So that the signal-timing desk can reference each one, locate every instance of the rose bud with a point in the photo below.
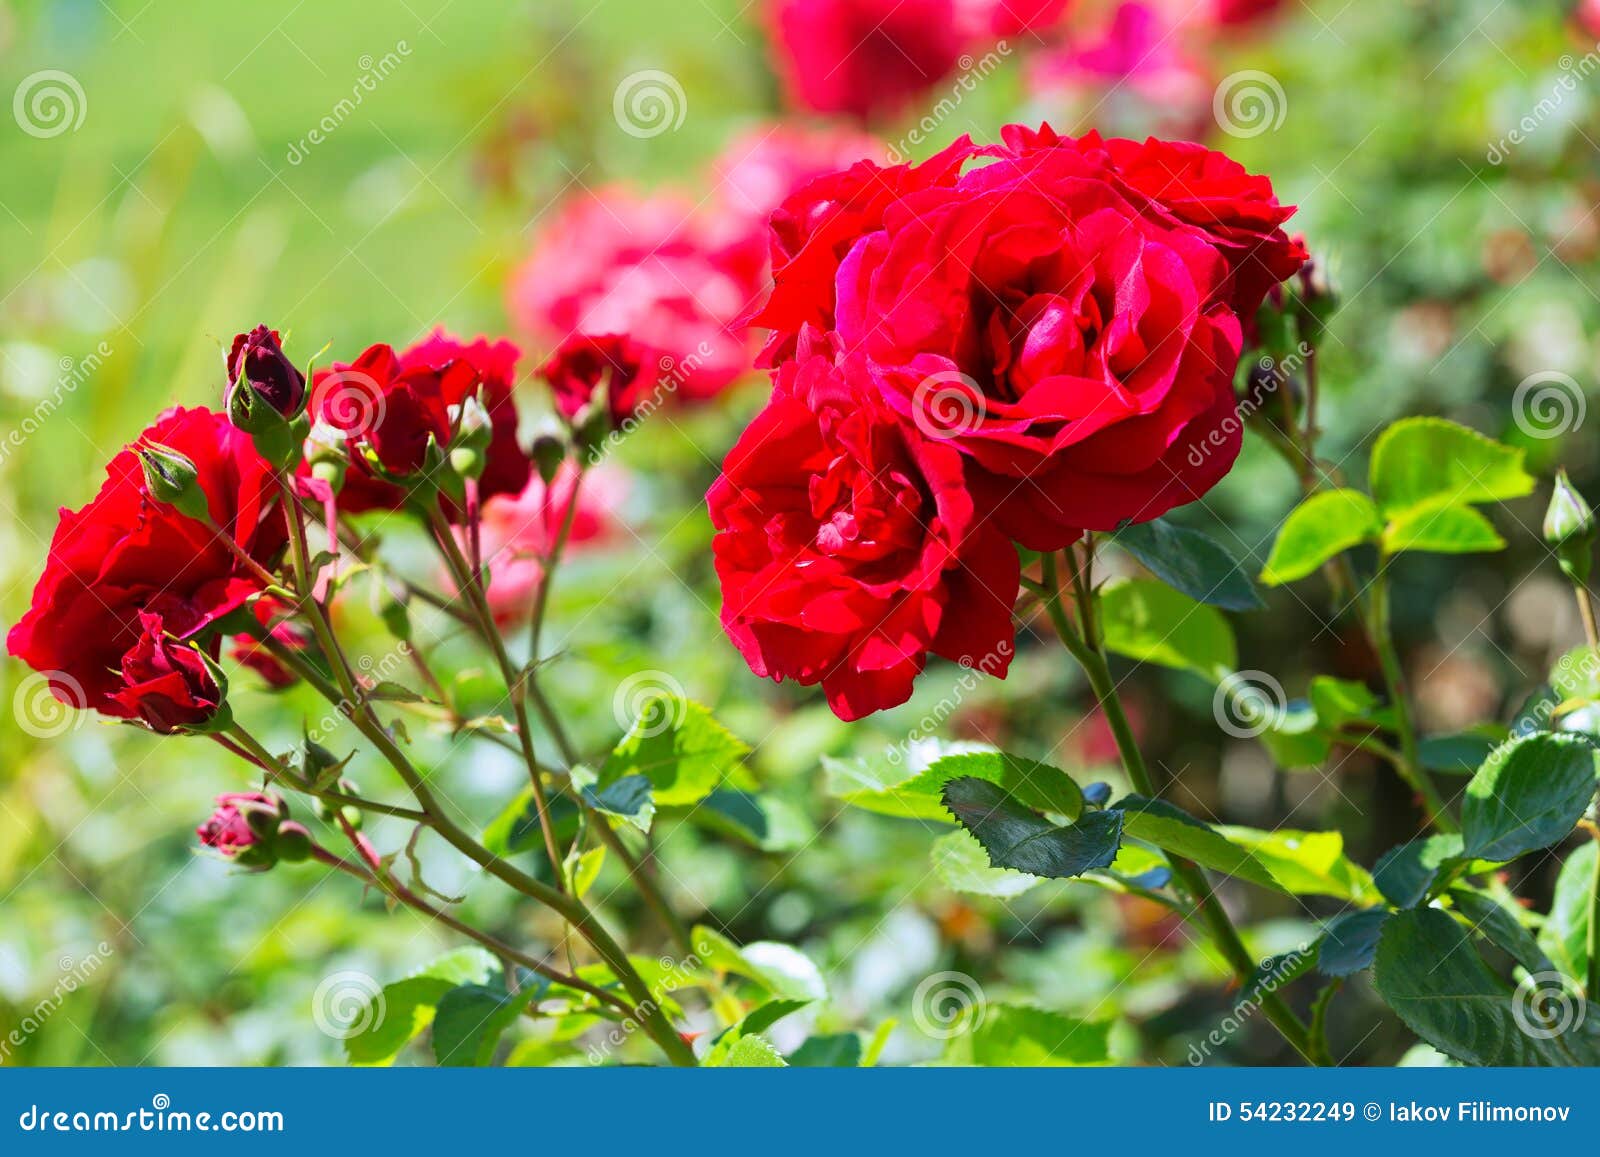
(257, 360)
(171, 478)
(1569, 530)
(170, 686)
(252, 829)
(611, 367)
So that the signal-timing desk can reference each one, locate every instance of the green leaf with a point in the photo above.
(764, 1017)
(1431, 462)
(1350, 942)
(1501, 927)
(678, 747)
(1460, 754)
(1340, 701)
(1441, 530)
(762, 820)
(470, 1020)
(1428, 972)
(1191, 562)
(1529, 794)
(1038, 785)
(1147, 620)
(1307, 863)
(1323, 526)
(962, 865)
(1294, 736)
(627, 798)
(405, 1007)
(1017, 837)
(1404, 874)
(1174, 830)
(840, 1050)
(875, 785)
(1564, 936)
(583, 869)
(747, 1052)
(1009, 1035)
(786, 973)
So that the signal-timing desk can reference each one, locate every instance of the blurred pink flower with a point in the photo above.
(518, 532)
(986, 19)
(616, 261)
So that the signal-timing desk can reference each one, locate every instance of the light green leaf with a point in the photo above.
(1307, 863)
(963, 865)
(1017, 837)
(1147, 620)
(1191, 562)
(1009, 1035)
(583, 869)
(1431, 462)
(1441, 530)
(747, 1052)
(1174, 830)
(1323, 526)
(1564, 936)
(1038, 785)
(405, 1007)
(1529, 794)
(875, 784)
(678, 747)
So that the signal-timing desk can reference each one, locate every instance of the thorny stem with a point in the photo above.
(1190, 878)
(252, 750)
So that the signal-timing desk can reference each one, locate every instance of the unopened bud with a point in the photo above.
(171, 477)
(1569, 530)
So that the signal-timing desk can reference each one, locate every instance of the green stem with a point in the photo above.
(248, 747)
(1409, 765)
(1202, 897)
(1592, 941)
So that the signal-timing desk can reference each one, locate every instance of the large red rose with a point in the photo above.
(166, 684)
(1068, 317)
(393, 404)
(125, 554)
(614, 262)
(868, 58)
(848, 545)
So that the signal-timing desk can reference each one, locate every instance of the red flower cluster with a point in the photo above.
(1062, 323)
(128, 577)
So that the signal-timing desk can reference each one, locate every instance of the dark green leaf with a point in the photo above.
(1405, 873)
(1349, 943)
(628, 798)
(1459, 754)
(1191, 562)
(1501, 927)
(1017, 837)
(406, 1007)
(841, 1050)
(471, 1019)
(1529, 794)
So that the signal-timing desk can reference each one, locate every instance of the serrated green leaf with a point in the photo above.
(1017, 837)
(963, 866)
(1174, 830)
(1502, 928)
(1404, 874)
(748, 1052)
(1432, 462)
(1350, 942)
(1529, 794)
(1147, 620)
(1191, 562)
(628, 798)
(1307, 863)
(1325, 525)
(1441, 530)
(404, 1008)
(1009, 1035)
(678, 747)
(1034, 784)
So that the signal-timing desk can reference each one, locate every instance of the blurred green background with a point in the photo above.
(175, 216)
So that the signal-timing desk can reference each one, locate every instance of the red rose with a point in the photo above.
(868, 58)
(630, 372)
(1067, 317)
(126, 553)
(166, 683)
(989, 18)
(248, 651)
(816, 226)
(393, 404)
(615, 262)
(258, 359)
(848, 546)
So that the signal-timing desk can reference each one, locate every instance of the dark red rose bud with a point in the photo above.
(257, 358)
(167, 684)
(612, 366)
(249, 829)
